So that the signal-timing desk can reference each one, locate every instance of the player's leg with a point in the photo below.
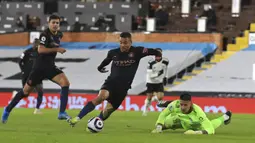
(39, 89)
(33, 79)
(57, 76)
(105, 114)
(225, 118)
(16, 99)
(115, 99)
(90, 106)
(147, 101)
(23, 82)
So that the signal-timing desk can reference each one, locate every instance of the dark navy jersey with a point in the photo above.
(48, 40)
(27, 60)
(125, 64)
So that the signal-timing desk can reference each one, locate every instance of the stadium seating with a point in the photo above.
(231, 75)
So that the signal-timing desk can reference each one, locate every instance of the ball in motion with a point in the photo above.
(95, 125)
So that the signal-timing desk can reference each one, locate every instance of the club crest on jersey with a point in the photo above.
(131, 55)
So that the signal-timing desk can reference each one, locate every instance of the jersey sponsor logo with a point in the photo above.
(215, 109)
(131, 55)
(124, 62)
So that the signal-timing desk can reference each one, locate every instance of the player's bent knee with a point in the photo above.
(103, 95)
(61, 80)
(160, 96)
(27, 89)
(149, 96)
(64, 82)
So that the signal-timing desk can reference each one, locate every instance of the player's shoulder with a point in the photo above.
(165, 61)
(137, 48)
(45, 32)
(174, 104)
(151, 60)
(60, 34)
(115, 50)
(197, 108)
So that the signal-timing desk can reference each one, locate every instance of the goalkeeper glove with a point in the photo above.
(158, 129)
(191, 132)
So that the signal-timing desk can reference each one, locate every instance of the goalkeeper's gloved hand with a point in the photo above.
(191, 132)
(158, 129)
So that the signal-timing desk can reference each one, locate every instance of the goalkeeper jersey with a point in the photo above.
(195, 120)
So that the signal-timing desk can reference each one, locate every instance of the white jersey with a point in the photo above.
(157, 71)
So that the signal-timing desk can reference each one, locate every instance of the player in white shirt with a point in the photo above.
(156, 78)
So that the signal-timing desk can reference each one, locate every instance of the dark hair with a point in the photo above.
(54, 17)
(125, 35)
(159, 49)
(185, 97)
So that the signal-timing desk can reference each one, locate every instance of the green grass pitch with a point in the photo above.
(121, 127)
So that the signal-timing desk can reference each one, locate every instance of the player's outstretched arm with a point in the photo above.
(148, 52)
(161, 120)
(105, 62)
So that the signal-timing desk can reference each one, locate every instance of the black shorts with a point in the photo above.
(37, 75)
(24, 79)
(155, 87)
(117, 93)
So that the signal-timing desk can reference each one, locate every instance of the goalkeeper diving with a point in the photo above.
(183, 114)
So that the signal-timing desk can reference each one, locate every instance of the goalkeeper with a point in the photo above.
(183, 114)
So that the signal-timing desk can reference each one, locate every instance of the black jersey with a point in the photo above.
(27, 60)
(125, 64)
(48, 40)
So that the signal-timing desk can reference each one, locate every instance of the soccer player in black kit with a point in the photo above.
(27, 60)
(125, 61)
(45, 68)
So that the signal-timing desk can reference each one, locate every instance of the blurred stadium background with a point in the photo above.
(209, 44)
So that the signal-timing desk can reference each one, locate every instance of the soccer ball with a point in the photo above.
(95, 125)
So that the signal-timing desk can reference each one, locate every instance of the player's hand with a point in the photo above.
(158, 129)
(191, 132)
(61, 50)
(102, 70)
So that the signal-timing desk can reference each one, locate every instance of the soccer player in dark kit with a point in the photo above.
(45, 68)
(125, 61)
(27, 60)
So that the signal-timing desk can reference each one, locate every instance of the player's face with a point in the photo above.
(54, 24)
(125, 44)
(185, 106)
